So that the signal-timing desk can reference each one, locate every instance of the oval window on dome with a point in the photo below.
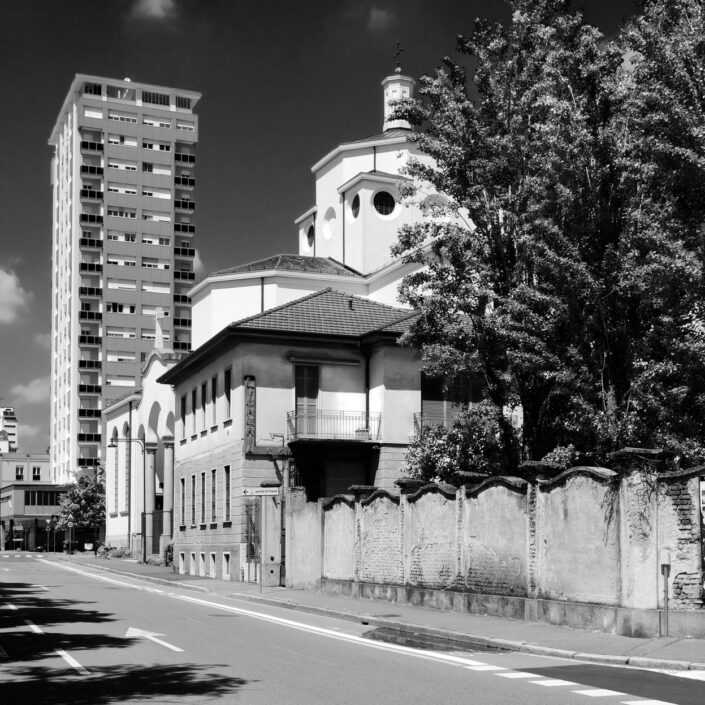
(355, 206)
(311, 235)
(384, 203)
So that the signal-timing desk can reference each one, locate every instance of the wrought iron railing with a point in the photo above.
(334, 425)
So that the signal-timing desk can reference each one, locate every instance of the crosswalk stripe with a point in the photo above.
(517, 674)
(552, 682)
(598, 692)
(486, 667)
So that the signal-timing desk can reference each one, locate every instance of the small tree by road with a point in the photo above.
(83, 503)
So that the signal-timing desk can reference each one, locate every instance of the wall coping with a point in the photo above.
(448, 491)
(329, 503)
(600, 474)
(513, 483)
(681, 474)
(379, 494)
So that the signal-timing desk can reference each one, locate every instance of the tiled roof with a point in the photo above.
(328, 312)
(388, 135)
(291, 263)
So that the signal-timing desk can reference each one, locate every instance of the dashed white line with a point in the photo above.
(553, 682)
(486, 667)
(645, 702)
(11, 607)
(72, 662)
(517, 674)
(598, 692)
(33, 627)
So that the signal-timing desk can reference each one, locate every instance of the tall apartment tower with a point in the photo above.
(122, 252)
(8, 423)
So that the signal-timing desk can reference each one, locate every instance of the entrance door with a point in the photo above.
(306, 399)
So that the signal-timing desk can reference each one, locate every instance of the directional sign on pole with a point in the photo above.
(260, 491)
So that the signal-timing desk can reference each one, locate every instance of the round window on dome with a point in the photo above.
(311, 235)
(355, 206)
(384, 203)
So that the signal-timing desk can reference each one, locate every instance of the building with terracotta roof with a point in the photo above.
(314, 393)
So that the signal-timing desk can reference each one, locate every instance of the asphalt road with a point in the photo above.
(69, 635)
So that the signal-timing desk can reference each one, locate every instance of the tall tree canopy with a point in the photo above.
(570, 273)
(83, 502)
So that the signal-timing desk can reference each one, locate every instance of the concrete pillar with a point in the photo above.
(168, 515)
(149, 480)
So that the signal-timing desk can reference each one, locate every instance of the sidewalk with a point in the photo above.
(457, 629)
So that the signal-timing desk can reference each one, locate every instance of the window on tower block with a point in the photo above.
(19, 472)
(36, 474)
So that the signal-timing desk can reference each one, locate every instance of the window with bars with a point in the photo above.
(203, 498)
(226, 493)
(182, 496)
(193, 500)
(214, 512)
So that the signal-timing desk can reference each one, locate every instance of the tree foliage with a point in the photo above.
(83, 502)
(569, 274)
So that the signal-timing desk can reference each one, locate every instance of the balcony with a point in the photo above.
(333, 425)
(182, 322)
(425, 420)
(90, 340)
(90, 243)
(89, 389)
(90, 316)
(184, 252)
(89, 437)
(178, 345)
(88, 462)
(91, 267)
(89, 364)
(91, 218)
(187, 181)
(89, 413)
(88, 146)
(184, 228)
(96, 291)
(91, 194)
(184, 158)
(92, 170)
(187, 276)
(181, 299)
(185, 205)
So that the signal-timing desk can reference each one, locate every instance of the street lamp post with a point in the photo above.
(113, 444)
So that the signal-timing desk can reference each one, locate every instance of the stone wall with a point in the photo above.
(588, 535)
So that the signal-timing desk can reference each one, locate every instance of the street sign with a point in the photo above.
(260, 491)
(70, 524)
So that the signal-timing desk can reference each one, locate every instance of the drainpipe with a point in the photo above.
(129, 508)
(261, 297)
(344, 227)
(374, 158)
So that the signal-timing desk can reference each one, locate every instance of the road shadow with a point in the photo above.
(112, 684)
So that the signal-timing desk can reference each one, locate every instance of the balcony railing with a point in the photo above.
(90, 291)
(89, 364)
(178, 345)
(88, 146)
(89, 413)
(89, 437)
(91, 242)
(188, 276)
(89, 389)
(184, 252)
(181, 299)
(182, 322)
(90, 316)
(88, 462)
(184, 228)
(90, 340)
(90, 169)
(91, 267)
(91, 218)
(91, 193)
(185, 205)
(333, 425)
(187, 181)
(185, 158)
(425, 420)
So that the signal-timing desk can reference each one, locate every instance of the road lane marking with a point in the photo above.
(152, 636)
(553, 682)
(486, 667)
(517, 674)
(72, 662)
(41, 587)
(11, 607)
(33, 627)
(597, 692)
(645, 702)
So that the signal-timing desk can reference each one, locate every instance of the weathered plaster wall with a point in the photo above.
(577, 547)
(494, 541)
(380, 541)
(304, 560)
(339, 541)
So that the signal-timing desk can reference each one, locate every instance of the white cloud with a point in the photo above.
(35, 392)
(197, 264)
(379, 19)
(25, 431)
(154, 9)
(12, 296)
(43, 339)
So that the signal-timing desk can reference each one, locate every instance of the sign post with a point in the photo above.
(261, 492)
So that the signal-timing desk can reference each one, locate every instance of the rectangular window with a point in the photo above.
(227, 377)
(124, 189)
(226, 493)
(183, 501)
(119, 212)
(204, 390)
(193, 500)
(152, 121)
(36, 474)
(122, 93)
(194, 400)
(19, 472)
(213, 496)
(203, 498)
(183, 416)
(183, 103)
(91, 112)
(214, 400)
(92, 89)
(155, 98)
(122, 164)
(185, 125)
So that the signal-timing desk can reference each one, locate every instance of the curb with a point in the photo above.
(452, 638)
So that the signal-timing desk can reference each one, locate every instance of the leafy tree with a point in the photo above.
(571, 273)
(84, 501)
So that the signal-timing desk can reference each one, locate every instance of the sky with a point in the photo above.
(283, 83)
